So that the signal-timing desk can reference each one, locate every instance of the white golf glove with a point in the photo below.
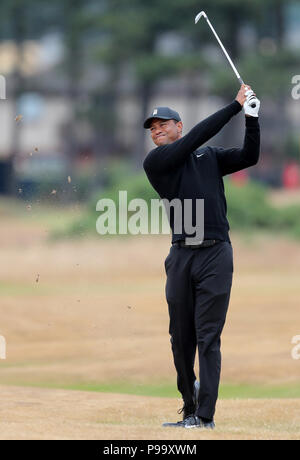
(252, 111)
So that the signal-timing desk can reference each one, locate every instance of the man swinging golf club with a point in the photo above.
(199, 276)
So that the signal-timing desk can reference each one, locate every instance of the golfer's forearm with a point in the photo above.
(173, 155)
(235, 159)
(248, 155)
(250, 150)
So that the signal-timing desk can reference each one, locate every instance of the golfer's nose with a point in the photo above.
(157, 131)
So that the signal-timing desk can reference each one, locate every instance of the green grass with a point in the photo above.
(54, 216)
(16, 289)
(168, 390)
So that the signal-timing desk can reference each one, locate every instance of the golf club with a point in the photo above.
(199, 15)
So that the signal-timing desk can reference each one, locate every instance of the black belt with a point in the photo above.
(204, 244)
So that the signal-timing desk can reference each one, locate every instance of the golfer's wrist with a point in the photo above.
(236, 106)
(251, 121)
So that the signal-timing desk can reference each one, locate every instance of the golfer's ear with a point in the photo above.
(180, 125)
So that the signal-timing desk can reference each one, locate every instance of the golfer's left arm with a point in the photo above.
(235, 159)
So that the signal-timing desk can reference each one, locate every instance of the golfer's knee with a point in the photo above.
(209, 341)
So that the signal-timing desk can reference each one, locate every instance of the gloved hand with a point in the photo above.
(251, 98)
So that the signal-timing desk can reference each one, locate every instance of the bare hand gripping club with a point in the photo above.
(199, 15)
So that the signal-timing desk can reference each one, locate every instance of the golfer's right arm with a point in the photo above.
(171, 156)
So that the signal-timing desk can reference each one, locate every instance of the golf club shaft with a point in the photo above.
(253, 103)
(225, 52)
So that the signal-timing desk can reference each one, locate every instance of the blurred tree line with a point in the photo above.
(147, 43)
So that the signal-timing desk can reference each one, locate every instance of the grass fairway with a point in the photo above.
(35, 413)
(168, 390)
(90, 314)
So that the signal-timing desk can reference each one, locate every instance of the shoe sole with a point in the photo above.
(172, 425)
(176, 425)
(198, 427)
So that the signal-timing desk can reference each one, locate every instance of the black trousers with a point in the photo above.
(198, 291)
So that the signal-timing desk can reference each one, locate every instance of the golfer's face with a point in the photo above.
(165, 131)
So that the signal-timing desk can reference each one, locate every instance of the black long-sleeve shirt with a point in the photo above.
(182, 170)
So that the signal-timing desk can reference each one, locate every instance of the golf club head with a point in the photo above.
(199, 15)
